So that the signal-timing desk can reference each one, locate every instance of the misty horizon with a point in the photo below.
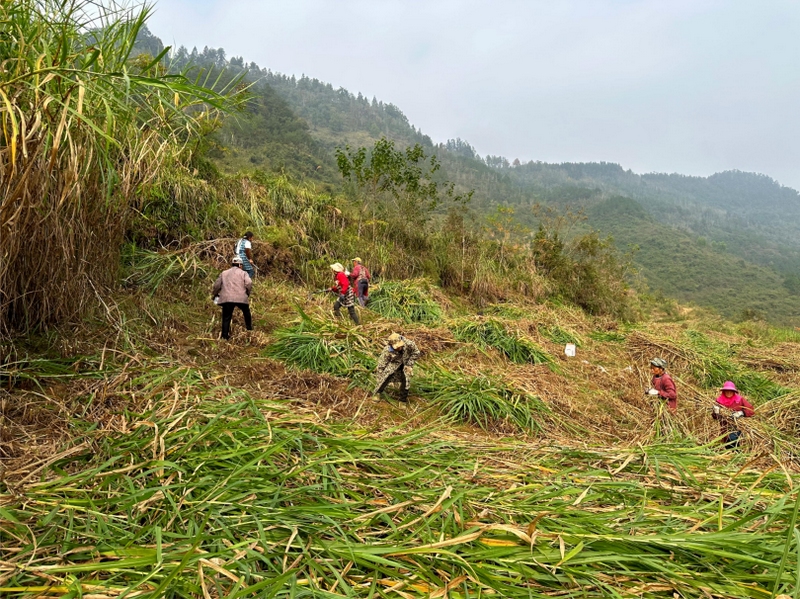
(686, 88)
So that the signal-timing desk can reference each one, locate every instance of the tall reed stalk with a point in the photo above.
(83, 127)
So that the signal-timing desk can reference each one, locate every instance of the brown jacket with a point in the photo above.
(233, 286)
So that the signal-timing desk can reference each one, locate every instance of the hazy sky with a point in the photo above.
(671, 86)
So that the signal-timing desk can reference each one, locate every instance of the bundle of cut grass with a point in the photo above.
(558, 334)
(607, 336)
(326, 347)
(493, 333)
(482, 400)
(409, 301)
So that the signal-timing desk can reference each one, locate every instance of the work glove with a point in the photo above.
(409, 370)
(715, 409)
(652, 391)
(738, 414)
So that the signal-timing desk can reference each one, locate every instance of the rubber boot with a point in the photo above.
(354, 314)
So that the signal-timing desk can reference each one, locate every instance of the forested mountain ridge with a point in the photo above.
(743, 223)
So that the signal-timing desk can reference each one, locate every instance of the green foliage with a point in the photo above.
(607, 336)
(585, 269)
(715, 366)
(505, 311)
(409, 301)
(325, 347)
(557, 334)
(149, 270)
(85, 125)
(481, 400)
(676, 265)
(397, 184)
(493, 333)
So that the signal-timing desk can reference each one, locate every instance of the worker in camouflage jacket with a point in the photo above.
(396, 364)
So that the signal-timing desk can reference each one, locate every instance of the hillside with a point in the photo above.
(173, 462)
(743, 223)
(141, 455)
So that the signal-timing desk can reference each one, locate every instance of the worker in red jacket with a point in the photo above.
(347, 298)
(729, 407)
(662, 385)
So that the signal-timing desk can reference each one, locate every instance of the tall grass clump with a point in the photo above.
(85, 126)
(325, 347)
(493, 333)
(482, 400)
(409, 301)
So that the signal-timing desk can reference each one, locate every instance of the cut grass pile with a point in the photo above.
(409, 301)
(211, 493)
(557, 334)
(493, 333)
(607, 336)
(325, 346)
(482, 400)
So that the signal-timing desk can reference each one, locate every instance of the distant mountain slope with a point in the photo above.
(690, 269)
(730, 241)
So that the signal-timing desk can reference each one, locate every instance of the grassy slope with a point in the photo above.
(748, 263)
(171, 461)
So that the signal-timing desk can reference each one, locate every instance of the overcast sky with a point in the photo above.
(693, 87)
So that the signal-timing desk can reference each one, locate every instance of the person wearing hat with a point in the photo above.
(359, 277)
(244, 249)
(731, 406)
(341, 285)
(232, 290)
(396, 364)
(662, 385)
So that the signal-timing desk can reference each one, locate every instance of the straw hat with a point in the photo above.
(357, 260)
(396, 341)
(729, 386)
(337, 267)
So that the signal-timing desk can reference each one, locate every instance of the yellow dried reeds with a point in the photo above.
(82, 129)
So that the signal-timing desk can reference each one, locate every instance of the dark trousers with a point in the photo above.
(400, 377)
(351, 310)
(362, 290)
(227, 315)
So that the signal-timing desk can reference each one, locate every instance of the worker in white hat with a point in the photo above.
(347, 298)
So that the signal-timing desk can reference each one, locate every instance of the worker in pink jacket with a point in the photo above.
(232, 290)
(662, 385)
(729, 407)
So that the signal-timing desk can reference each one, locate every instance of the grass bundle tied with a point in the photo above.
(410, 301)
(482, 400)
(324, 346)
(493, 333)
